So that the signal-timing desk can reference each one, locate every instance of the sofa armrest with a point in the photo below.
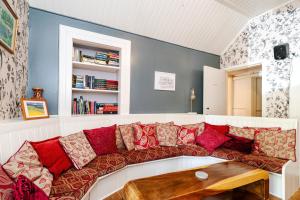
(290, 178)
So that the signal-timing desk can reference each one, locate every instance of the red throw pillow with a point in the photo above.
(240, 144)
(24, 189)
(211, 139)
(224, 129)
(52, 155)
(103, 140)
(145, 137)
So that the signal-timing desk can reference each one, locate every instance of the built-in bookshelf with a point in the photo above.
(98, 68)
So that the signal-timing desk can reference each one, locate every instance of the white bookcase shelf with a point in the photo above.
(88, 43)
(95, 67)
(95, 91)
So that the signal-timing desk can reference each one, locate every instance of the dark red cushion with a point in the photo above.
(52, 156)
(26, 190)
(103, 140)
(211, 139)
(240, 144)
(224, 129)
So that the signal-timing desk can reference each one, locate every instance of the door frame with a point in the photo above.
(231, 72)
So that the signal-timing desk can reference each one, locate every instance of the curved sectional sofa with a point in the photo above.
(74, 184)
(107, 174)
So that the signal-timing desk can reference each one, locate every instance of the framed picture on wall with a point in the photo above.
(8, 26)
(164, 81)
(34, 108)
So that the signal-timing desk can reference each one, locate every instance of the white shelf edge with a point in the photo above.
(93, 66)
(95, 91)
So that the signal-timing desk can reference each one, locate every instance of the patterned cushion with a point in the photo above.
(279, 144)
(73, 183)
(158, 123)
(145, 137)
(186, 136)
(241, 132)
(167, 135)
(107, 163)
(78, 149)
(6, 186)
(45, 181)
(228, 154)
(199, 126)
(119, 141)
(264, 162)
(264, 129)
(26, 162)
(193, 150)
(144, 155)
(127, 135)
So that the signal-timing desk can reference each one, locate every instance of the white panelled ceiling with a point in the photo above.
(205, 25)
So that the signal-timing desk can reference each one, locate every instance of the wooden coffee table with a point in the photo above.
(222, 177)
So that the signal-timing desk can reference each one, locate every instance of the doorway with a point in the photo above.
(244, 91)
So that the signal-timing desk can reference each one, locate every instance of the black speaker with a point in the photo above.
(281, 51)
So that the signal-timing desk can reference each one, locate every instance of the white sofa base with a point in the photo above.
(113, 182)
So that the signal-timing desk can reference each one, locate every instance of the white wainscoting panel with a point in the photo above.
(13, 133)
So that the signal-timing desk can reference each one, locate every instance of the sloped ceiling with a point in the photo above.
(205, 25)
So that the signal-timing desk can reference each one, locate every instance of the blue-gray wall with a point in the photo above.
(147, 55)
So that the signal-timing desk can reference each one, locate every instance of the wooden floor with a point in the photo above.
(296, 196)
(237, 195)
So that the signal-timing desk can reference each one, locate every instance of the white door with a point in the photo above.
(214, 91)
(242, 96)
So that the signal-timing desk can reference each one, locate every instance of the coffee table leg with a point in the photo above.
(266, 189)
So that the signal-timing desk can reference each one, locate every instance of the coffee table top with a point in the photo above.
(184, 184)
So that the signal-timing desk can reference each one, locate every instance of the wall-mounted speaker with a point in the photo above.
(281, 51)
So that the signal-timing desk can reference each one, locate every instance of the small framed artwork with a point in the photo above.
(34, 108)
(8, 26)
(164, 81)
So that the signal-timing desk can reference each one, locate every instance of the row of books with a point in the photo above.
(100, 57)
(81, 107)
(90, 82)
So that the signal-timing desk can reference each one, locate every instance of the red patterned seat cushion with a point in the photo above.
(144, 155)
(106, 164)
(228, 154)
(193, 150)
(264, 162)
(73, 183)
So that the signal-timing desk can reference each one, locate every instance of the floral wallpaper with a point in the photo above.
(14, 67)
(255, 45)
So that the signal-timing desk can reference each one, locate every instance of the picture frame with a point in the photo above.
(164, 81)
(34, 108)
(8, 26)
